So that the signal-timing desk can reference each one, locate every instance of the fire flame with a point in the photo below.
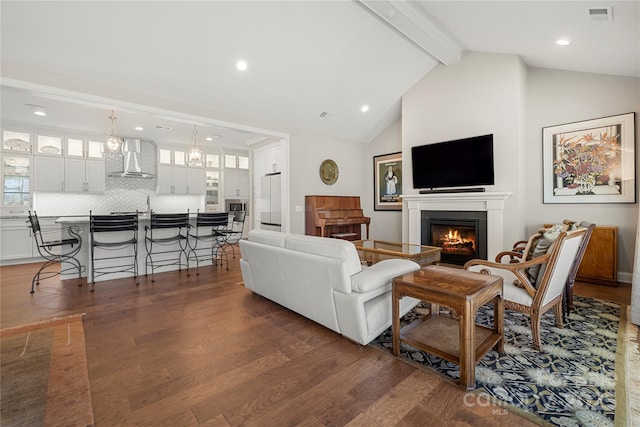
(453, 242)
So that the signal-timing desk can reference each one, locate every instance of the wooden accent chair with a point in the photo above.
(554, 267)
(523, 250)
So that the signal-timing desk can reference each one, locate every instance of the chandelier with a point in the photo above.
(112, 146)
(195, 154)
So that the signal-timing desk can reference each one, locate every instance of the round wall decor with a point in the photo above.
(329, 172)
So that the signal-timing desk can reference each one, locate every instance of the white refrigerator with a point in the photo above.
(270, 202)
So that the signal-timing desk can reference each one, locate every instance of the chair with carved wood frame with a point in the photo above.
(548, 292)
(523, 249)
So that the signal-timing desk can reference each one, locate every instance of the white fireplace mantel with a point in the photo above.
(490, 202)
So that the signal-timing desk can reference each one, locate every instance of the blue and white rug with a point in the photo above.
(571, 383)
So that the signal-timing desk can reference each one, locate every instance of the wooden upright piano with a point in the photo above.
(335, 216)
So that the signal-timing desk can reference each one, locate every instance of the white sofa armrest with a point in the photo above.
(381, 274)
(365, 315)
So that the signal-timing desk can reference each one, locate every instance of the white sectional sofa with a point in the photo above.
(323, 280)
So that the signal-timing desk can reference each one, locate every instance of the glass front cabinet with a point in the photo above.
(16, 163)
(16, 182)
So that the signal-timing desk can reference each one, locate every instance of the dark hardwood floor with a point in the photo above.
(204, 350)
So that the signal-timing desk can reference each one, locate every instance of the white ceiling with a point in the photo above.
(304, 57)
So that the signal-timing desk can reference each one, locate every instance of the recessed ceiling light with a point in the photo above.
(563, 42)
(241, 65)
(139, 128)
(364, 108)
(208, 138)
(38, 110)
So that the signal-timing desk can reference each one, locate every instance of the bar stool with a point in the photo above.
(234, 234)
(113, 233)
(165, 235)
(55, 251)
(207, 237)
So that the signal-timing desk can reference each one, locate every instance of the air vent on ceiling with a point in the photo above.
(163, 127)
(600, 13)
(324, 114)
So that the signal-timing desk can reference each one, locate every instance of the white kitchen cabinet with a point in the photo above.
(84, 148)
(195, 181)
(48, 173)
(18, 243)
(84, 176)
(68, 174)
(17, 240)
(165, 179)
(180, 180)
(16, 183)
(51, 145)
(16, 141)
(236, 183)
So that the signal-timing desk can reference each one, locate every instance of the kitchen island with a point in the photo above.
(84, 257)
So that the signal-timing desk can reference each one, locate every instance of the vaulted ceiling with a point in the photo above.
(310, 64)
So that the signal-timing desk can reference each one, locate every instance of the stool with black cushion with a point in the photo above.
(207, 237)
(166, 241)
(111, 236)
(56, 251)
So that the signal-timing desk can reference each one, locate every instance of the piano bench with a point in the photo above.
(345, 236)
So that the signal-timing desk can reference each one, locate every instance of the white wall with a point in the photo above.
(557, 97)
(481, 94)
(385, 225)
(307, 151)
(491, 93)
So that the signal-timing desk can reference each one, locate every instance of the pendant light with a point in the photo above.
(112, 146)
(195, 154)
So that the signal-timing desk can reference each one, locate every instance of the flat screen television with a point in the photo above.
(464, 162)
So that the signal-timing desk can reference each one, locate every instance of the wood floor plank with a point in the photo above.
(393, 406)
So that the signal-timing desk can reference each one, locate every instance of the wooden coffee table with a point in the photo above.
(457, 341)
(372, 251)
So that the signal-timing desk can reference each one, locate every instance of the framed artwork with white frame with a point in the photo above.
(591, 161)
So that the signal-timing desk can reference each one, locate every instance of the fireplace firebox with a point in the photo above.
(462, 235)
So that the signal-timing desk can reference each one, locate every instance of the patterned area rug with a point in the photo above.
(45, 380)
(571, 383)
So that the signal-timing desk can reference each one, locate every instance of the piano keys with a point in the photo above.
(335, 216)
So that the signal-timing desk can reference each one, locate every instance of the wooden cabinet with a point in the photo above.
(600, 262)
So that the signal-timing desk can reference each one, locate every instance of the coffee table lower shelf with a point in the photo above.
(443, 335)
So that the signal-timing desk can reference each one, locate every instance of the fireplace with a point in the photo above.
(490, 202)
(462, 235)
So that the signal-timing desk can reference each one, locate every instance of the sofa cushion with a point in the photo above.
(268, 237)
(381, 273)
(328, 247)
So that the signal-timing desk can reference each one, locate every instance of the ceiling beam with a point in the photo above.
(414, 25)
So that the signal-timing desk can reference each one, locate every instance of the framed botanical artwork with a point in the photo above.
(387, 178)
(592, 161)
